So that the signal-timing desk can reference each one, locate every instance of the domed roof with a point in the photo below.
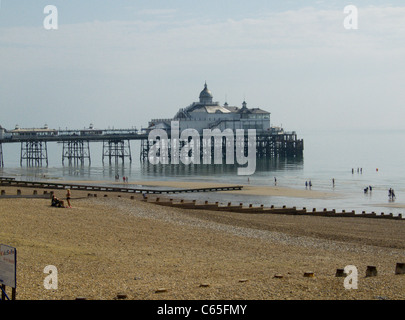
(205, 95)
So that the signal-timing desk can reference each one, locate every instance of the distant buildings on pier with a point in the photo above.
(207, 114)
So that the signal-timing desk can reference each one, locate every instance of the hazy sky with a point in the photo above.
(120, 63)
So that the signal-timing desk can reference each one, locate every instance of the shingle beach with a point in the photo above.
(105, 246)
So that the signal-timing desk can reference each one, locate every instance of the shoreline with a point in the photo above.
(279, 196)
(254, 190)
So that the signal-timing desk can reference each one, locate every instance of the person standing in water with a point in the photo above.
(391, 194)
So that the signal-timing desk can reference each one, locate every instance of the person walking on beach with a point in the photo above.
(68, 198)
(275, 181)
(333, 182)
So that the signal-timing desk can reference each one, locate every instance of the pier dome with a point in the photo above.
(205, 95)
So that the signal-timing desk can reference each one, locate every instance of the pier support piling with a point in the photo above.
(1, 155)
(34, 152)
(76, 151)
(267, 146)
(117, 149)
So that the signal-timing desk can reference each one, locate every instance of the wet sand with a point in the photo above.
(109, 245)
(247, 188)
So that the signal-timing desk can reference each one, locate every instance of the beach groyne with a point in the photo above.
(11, 182)
(261, 209)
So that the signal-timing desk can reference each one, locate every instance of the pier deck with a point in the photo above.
(116, 146)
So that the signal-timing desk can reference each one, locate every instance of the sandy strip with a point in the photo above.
(247, 189)
(284, 192)
(391, 205)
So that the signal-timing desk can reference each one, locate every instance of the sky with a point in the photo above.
(121, 63)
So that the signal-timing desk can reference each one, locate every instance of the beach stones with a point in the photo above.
(278, 276)
(204, 285)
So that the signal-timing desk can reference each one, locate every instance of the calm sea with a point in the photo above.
(377, 159)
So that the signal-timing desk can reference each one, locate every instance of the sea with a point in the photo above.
(354, 159)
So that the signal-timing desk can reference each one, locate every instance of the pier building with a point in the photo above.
(207, 114)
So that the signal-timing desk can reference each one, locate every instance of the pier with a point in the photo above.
(117, 145)
(195, 119)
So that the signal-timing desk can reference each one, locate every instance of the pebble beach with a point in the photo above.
(110, 247)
